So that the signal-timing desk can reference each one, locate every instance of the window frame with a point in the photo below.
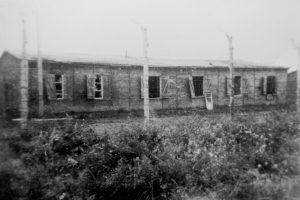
(275, 87)
(197, 96)
(159, 82)
(241, 87)
(62, 86)
(95, 88)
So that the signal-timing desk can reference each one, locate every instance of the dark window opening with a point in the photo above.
(58, 78)
(98, 87)
(154, 87)
(271, 85)
(237, 85)
(98, 94)
(198, 85)
(58, 86)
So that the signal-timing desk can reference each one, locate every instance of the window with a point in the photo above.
(95, 86)
(58, 85)
(271, 85)
(268, 85)
(237, 87)
(159, 87)
(98, 87)
(198, 85)
(154, 87)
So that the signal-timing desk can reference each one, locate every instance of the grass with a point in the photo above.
(188, 157)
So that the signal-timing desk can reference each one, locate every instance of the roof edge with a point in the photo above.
(138, 61)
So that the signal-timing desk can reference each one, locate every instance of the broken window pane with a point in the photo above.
(98, 79)
(58, 86)
(98, 94)
(98, 87)
(58, 78)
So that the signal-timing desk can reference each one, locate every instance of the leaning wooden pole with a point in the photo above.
(297, 47)
(40, 72)
(146, 75)
(231, 79)
(24, 80)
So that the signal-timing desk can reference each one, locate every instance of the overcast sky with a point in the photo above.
(186, 29)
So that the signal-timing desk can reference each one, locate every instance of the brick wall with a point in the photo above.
(292, 87)
(126, 87)
(10, 85)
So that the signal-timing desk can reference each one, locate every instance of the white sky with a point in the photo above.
(187, 29)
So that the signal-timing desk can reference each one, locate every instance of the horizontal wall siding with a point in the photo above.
(126, 87)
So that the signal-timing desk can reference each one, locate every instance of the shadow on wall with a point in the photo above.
(123, 113)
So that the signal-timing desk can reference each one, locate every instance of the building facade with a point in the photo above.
(89, 86)
(291, 97)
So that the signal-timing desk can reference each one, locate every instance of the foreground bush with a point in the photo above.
(255, 156)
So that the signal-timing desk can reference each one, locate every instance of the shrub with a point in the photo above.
(13, 175)
(253, 157)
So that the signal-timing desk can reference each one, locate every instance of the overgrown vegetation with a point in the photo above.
(254, 157)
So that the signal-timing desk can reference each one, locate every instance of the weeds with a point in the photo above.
(254, 157)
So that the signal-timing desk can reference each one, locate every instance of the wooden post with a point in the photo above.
(40, 72)
(145, 72)
(24, 81)
(231, 81)
(297, 47)
(146, 75)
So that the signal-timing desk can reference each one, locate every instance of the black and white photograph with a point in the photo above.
(149, 100)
